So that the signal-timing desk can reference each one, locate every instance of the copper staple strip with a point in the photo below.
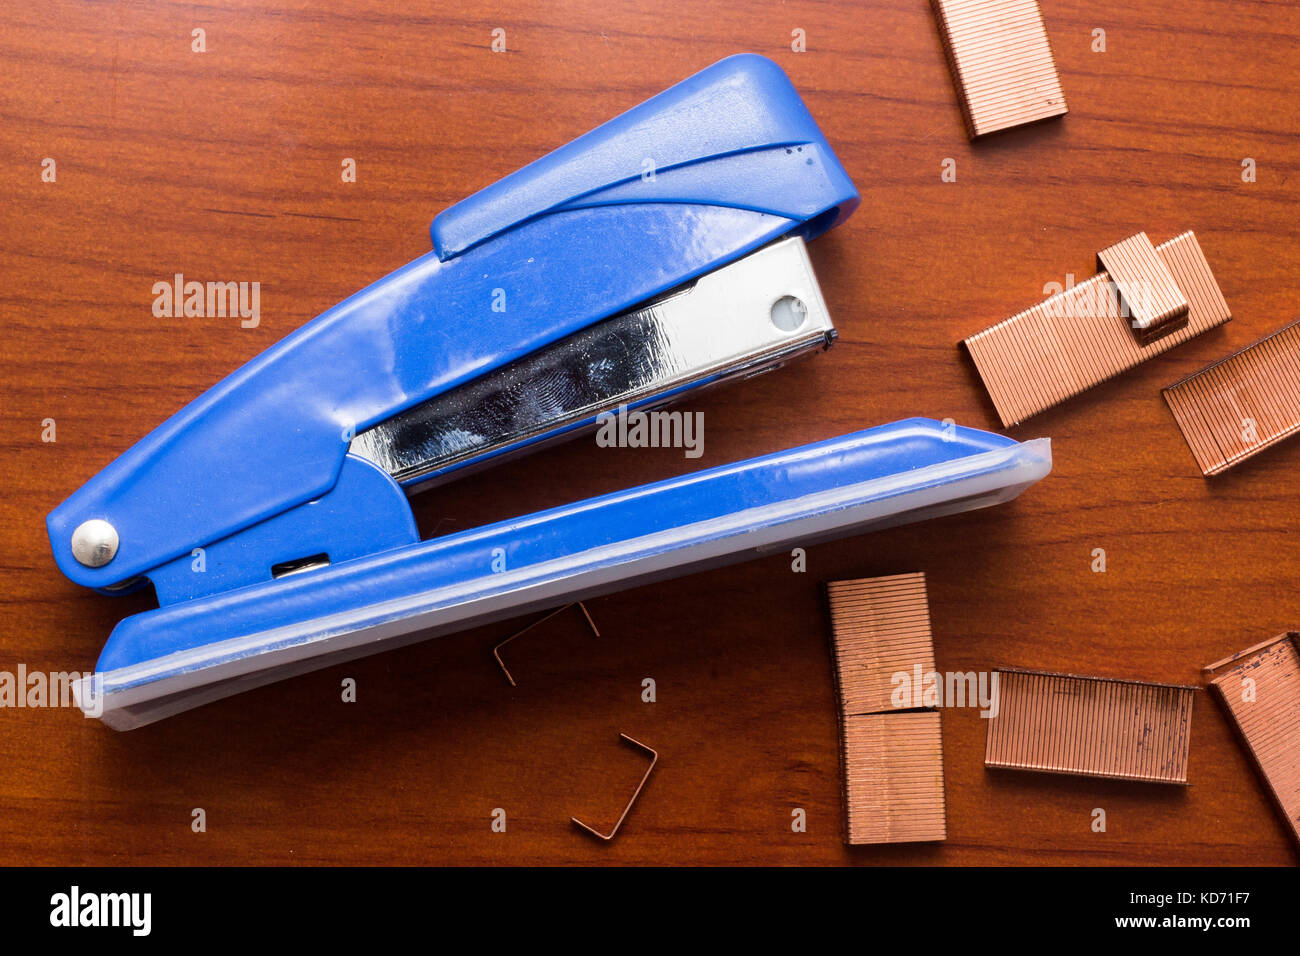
(1077, 338)
(879, 626)
(1156, 306)
(1267, 716)
(893, 776)
(1090, 726)
(892, 760)
(1001, 63)
(1238, 406)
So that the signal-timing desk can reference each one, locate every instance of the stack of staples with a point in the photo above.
(891, 754)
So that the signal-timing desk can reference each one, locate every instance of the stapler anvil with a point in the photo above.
(660, 253)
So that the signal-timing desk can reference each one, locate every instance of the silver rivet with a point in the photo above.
(94, 543)
(789, 313)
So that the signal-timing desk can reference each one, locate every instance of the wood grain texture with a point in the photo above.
(226, 165)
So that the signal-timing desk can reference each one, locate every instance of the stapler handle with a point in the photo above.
(735, 160)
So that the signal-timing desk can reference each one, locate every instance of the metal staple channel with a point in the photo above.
(1261, 692)
(891, 759)
(1240, 405)
(1001, 63)
(1090, 726)
(1078, 338)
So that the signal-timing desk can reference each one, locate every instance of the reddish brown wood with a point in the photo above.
(227, 165)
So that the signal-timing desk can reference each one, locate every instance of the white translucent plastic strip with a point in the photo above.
(143, 693)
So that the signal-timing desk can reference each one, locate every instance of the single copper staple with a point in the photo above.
(496, 651)
(1240, 405)
(1090, 726)
(1079, 338)
(892, 759)
(879, 627)
(1001, 63)
(893, 778)
(654, 759)
(1261, 692)
(1156, 306)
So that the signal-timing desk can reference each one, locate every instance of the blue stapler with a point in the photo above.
(661, 253)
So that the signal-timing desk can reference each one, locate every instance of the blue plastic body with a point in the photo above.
(691, 179)
(871, 478)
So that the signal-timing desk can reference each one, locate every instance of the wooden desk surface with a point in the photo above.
(226, 165)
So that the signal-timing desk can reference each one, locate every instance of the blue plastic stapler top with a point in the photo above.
(257, 469)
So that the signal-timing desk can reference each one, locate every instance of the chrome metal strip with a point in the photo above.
(744, 318)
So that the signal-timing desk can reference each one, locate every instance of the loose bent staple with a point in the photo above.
(892, 759)
(1260, 689)
(654, 759)
(1090, 726)
(1234, 409)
